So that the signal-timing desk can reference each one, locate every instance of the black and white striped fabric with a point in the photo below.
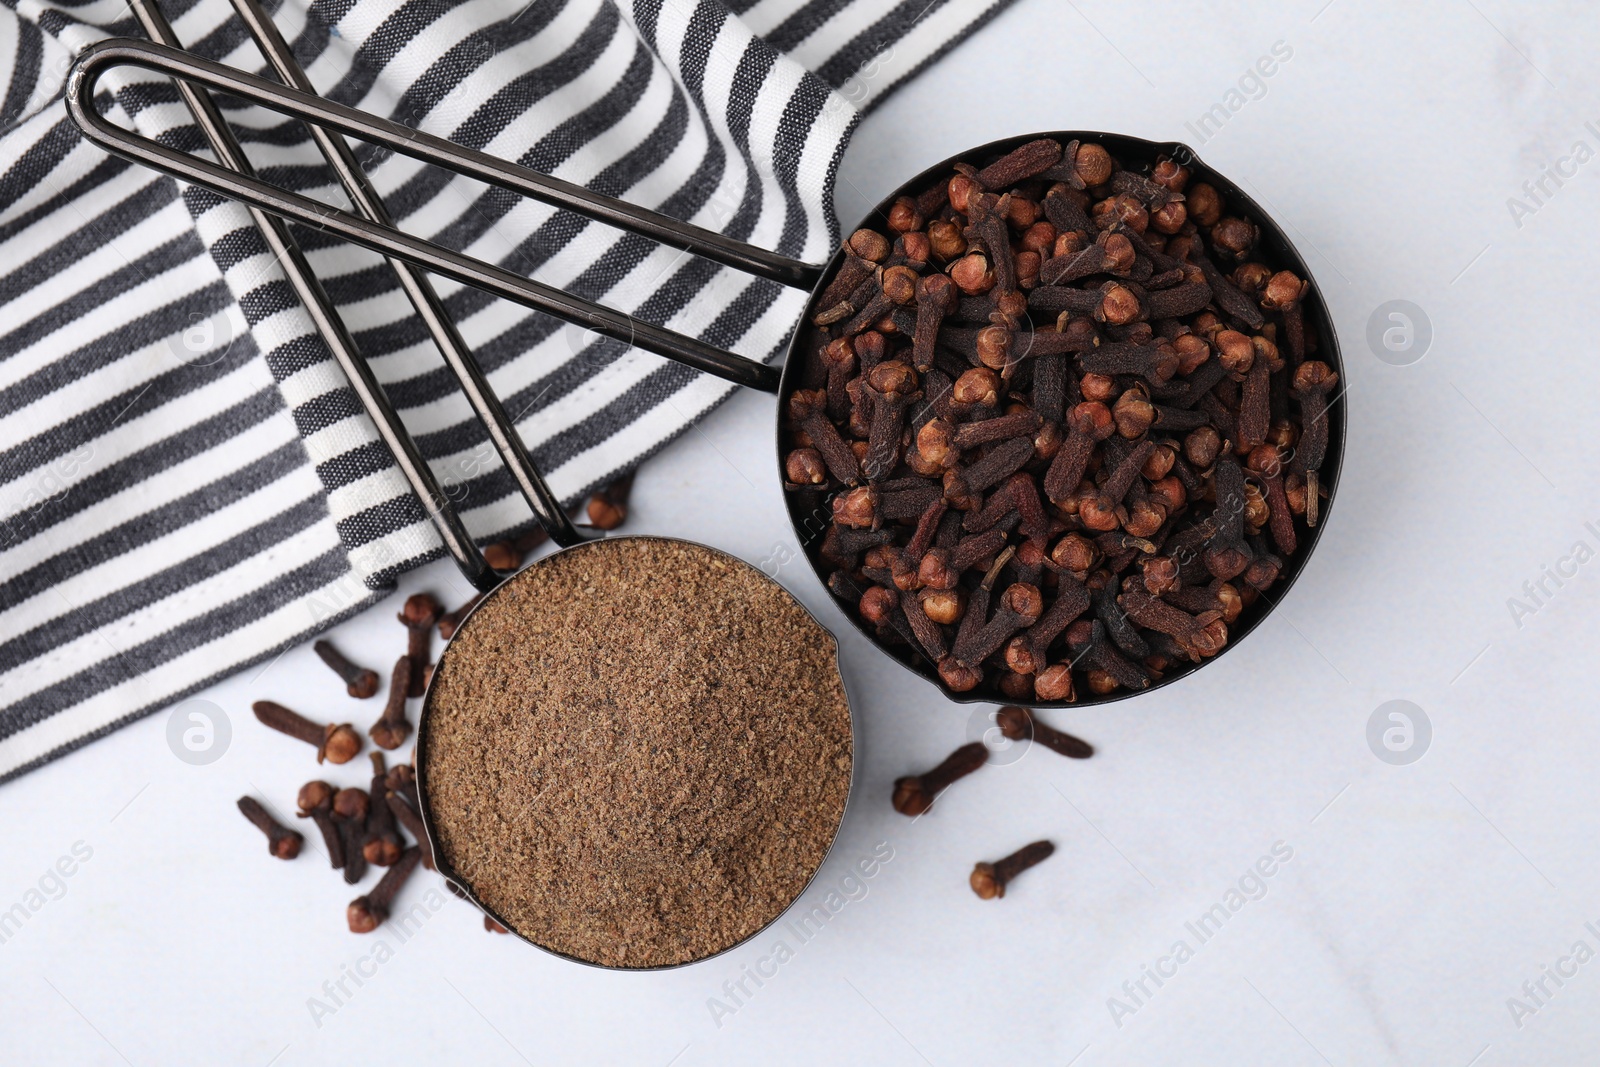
(187, 484)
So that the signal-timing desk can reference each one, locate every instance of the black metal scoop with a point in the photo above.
(370, 227)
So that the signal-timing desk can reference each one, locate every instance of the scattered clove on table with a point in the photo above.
(336, 743)
(989, 880)
(359, 681)
(418, 616)
(915, 794)
(282, 842)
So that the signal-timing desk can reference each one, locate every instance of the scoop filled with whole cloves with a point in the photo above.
(1063, 420)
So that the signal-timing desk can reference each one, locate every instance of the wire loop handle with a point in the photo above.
(371, 226)
(491, 278)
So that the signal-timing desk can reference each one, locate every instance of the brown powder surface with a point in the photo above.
(638, 751)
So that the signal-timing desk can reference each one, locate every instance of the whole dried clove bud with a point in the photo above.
(1204, 203)
(1092, 166)
(1054, 684)
(316, 803)
(1121, 211)
(878, 604)
(366, 913)
(502, 556)
(1234, 237)
(1235, 351)
(1170, 174)
(337, 743)
(945, 241)
(944, 606)
(382, 845)
(418, 616)
(989, 880)
(1202, 446)
(392, 727)
(1075, 553)
(1251, 278)
(350, 809)
(972, 275)
(870, 245)
(961, 189)
(1169, 218)
(858, 508)
(359, 682)
(903, 215)
(915, 794)
(979, 385)
(804, 466)
(1161, 575)
(282, 842)
(1019, 724)
(1133, 413)
(1283, 291)
(1119, 305)
(608, 508)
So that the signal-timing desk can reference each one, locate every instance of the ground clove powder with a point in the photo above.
(638, 751)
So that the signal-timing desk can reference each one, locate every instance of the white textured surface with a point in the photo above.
(1418, 898)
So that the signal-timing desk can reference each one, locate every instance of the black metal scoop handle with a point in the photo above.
(372, 228)
(98, 58)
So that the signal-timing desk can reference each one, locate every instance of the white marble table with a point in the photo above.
(1407, 905)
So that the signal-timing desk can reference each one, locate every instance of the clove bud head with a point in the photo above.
(389, 735)
(1314, 376)
(980, 385)
(381, 851)
(804, 466)
(364, 916)
(1075, 553)
(870, 245)
(972, 275)
(315, 795)
(341, 743)
(1054, 683)
(945, 606)
(1024, 601)
(1015, 723)
(858, 508)
(910, 798)
(957, 676)
(351, 803)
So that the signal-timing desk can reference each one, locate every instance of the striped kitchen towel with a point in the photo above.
(187, 484)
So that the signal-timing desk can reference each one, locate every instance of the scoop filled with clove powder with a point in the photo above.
(637, 752)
